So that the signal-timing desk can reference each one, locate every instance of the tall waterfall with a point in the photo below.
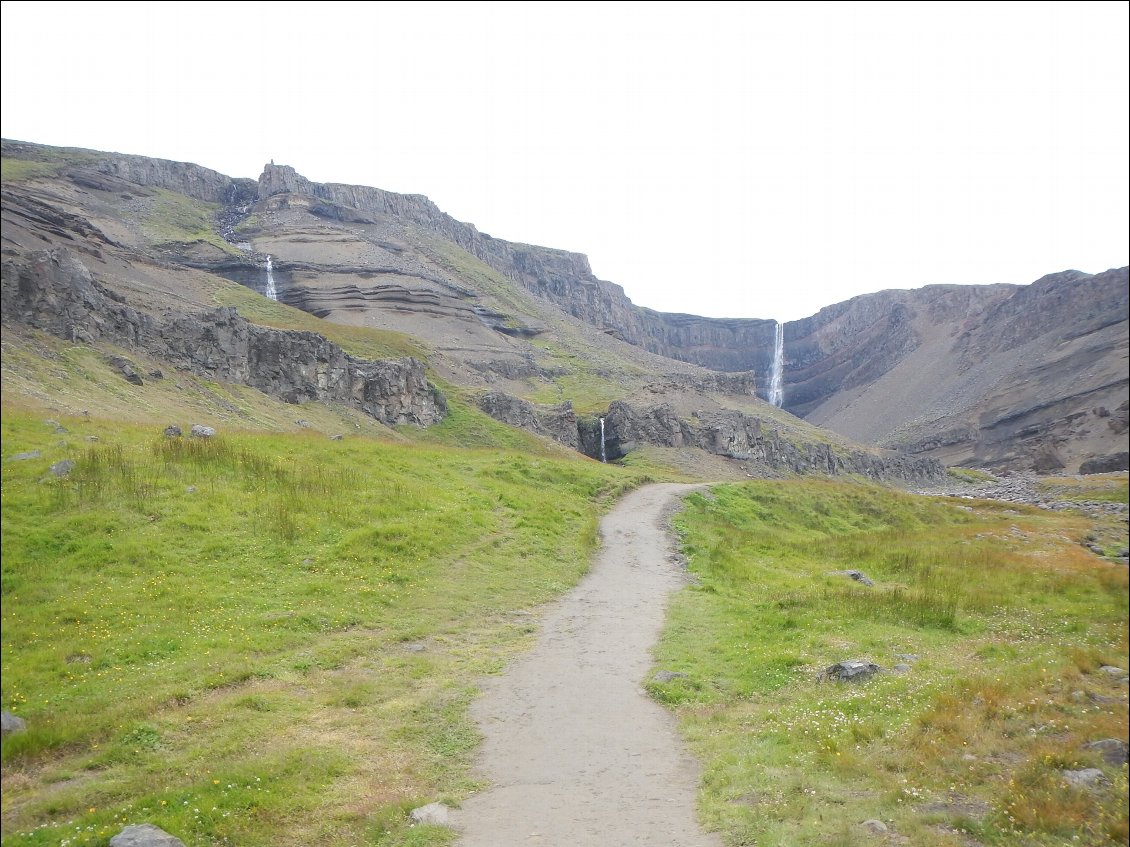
(777, 370)
(603, 454)
(271, 291)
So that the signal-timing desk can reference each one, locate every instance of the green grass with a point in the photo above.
(170, 218)
(1007, 615)
(265, 638)
(362, 342)
(18, 170)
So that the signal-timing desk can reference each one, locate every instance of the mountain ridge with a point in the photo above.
(918, 370)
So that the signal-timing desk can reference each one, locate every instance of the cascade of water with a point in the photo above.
(271, 291)
(777, 370)
(603, 454)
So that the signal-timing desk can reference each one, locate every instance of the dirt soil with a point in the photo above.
(575, 753)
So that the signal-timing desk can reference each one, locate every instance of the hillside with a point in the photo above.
(144, 256)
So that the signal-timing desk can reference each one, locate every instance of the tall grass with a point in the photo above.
(990, 623)
(264, 638)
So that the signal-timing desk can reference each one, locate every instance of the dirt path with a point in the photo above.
(577, 755)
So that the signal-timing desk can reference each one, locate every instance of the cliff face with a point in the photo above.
(1013, 377)
(53, 291)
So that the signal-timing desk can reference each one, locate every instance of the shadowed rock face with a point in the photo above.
(53, 291)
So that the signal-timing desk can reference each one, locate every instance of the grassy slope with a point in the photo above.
(1008, 616)
(265, 633)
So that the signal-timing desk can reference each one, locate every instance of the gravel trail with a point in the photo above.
(575, 753)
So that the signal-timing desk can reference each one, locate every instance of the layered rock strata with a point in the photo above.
(53, 291)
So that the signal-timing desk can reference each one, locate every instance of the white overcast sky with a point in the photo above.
(730, 159)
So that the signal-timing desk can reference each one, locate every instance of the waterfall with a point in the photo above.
(271, 291)
(603, 455)
(777, 370)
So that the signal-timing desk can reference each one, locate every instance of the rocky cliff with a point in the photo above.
(53, 291)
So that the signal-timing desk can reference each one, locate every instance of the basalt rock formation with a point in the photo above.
(53, 291)
(1005, 376)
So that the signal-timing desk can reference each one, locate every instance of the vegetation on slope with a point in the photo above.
(264, 638)
(1000, 618)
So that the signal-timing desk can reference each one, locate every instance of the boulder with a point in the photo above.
(433, 813)
(20, 457)
(63, 468)
(145, 835)
(1085, 778)
(201, 431)
(9, 723)
(851, 670)
(173, 431)
(1113, 750)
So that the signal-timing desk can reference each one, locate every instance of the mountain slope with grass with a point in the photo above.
(272, 633)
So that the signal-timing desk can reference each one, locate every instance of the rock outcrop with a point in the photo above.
(53, 291)
(757, 443)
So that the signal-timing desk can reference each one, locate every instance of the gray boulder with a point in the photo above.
(173, 431)
(433, 813)
(63, 468)
(1113, 750)
(145, 835)
(9, 723)
(851, 670)
(1085, 778)
(20, 457)
(201, 431)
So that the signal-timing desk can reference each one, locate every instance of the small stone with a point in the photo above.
(668, 676)
(874, 826)
(9, 723)
(1113, 750)
(336, 437)
(144, 835)
(58, 427)
(173, 431)
(1085, 778)
(20, 457)
(303, 423)
(191, 489)
(860, 577)
(968, 757)
(63, 468)
(201, 431)
(156, 373)
(92, 438)
(433, 813)
(901, 667)
(1111, 670)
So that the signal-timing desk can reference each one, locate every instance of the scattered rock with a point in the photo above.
(1085, 778)
(851, 670)
(63, 468)
(1113, 750)
(9, 723)
(92, 438)
(201, 431)
(173, 431)
(858, 576)
(58, 427)
(126, 368)
(901, 667)
(415, 647)
(336, 437)
(20, 457)
(1111, 670)
(157, 373)
(145, 835)
(874, 826)
(907, 657)
(433, 813)
(303, 423)
(668, 676)
(191, 489)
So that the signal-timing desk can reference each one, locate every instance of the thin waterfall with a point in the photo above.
(603, 454)
(271, 292)
(777, 370)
